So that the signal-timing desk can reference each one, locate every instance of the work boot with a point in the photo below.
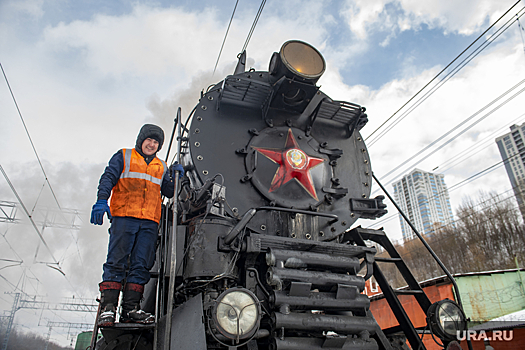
(131, 311)
(109, 293)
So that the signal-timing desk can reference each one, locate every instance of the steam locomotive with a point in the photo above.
(256, 250)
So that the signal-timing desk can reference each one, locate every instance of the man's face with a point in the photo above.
(150, 146)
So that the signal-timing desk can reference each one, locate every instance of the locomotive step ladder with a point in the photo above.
(358, 236)
(120, 326)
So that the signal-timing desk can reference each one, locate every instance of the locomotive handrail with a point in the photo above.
(173, 262)
(230, 237)
(427, 246)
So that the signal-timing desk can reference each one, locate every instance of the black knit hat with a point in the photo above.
(150, 131)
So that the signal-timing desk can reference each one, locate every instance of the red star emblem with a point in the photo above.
(293, 164)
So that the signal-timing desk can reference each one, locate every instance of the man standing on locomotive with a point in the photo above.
(135, 179)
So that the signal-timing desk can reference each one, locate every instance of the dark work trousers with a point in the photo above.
(134, 239)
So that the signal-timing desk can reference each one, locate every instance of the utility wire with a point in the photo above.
(30, 218)
(29, 136)
(469, 152)
(41, 167)
(442, 137)
(225, 35)
(447, 77)
(443, 70)
(461, 183)
(263, 2)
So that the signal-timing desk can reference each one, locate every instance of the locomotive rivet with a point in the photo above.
(204, 108)
(197, 144)
(367, 173)
(281, 134)
(343, 223)
(364, 195)
(352, 214)
(200, 157)
(263, 227)
(363, 150)
(197, 131)
(299, 137)
(252, 274)
(235, 210)
(293, 235)
(248, 76)
(308, 236)
(199, 118)
(359, 139)
(210, 98)
(260, 74)
(205, 172)
(366, 161)
(332, 229)
(366, 184)
(321, 233)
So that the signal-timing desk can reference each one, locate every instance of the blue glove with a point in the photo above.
(98, 210)
(176, 167)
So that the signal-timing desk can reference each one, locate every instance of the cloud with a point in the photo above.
(33, 8)
(394, 16)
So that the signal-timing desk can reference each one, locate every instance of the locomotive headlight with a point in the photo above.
(298, 59)
(237, 313)
(446, 319)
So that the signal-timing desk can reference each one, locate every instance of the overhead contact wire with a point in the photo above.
(447, 77)
(29, 136)
(461, 124)
(30, 217)
(263, 2)
(224, 40)
(444, 69)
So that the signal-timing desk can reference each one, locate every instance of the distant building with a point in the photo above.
(512, 152)
(424, 198)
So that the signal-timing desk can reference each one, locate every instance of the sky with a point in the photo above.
(86, 75)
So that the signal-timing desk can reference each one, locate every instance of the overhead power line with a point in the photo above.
(437, 75)
(29, 136)
(263, 2)
(31, 219)
(225, 35)
(461, 132)
(460, 184)
(447, 77)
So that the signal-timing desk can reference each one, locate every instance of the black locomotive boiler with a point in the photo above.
(263, 256)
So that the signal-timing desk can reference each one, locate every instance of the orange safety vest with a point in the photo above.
(137, 192)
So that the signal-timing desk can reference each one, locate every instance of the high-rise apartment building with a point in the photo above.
(423, 197)
(512, 152)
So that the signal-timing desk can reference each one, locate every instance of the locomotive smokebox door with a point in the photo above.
(287, 168)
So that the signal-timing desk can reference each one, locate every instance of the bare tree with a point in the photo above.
(487, 235)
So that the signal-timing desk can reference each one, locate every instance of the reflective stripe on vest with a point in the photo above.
(137, 192)
(127, 174)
